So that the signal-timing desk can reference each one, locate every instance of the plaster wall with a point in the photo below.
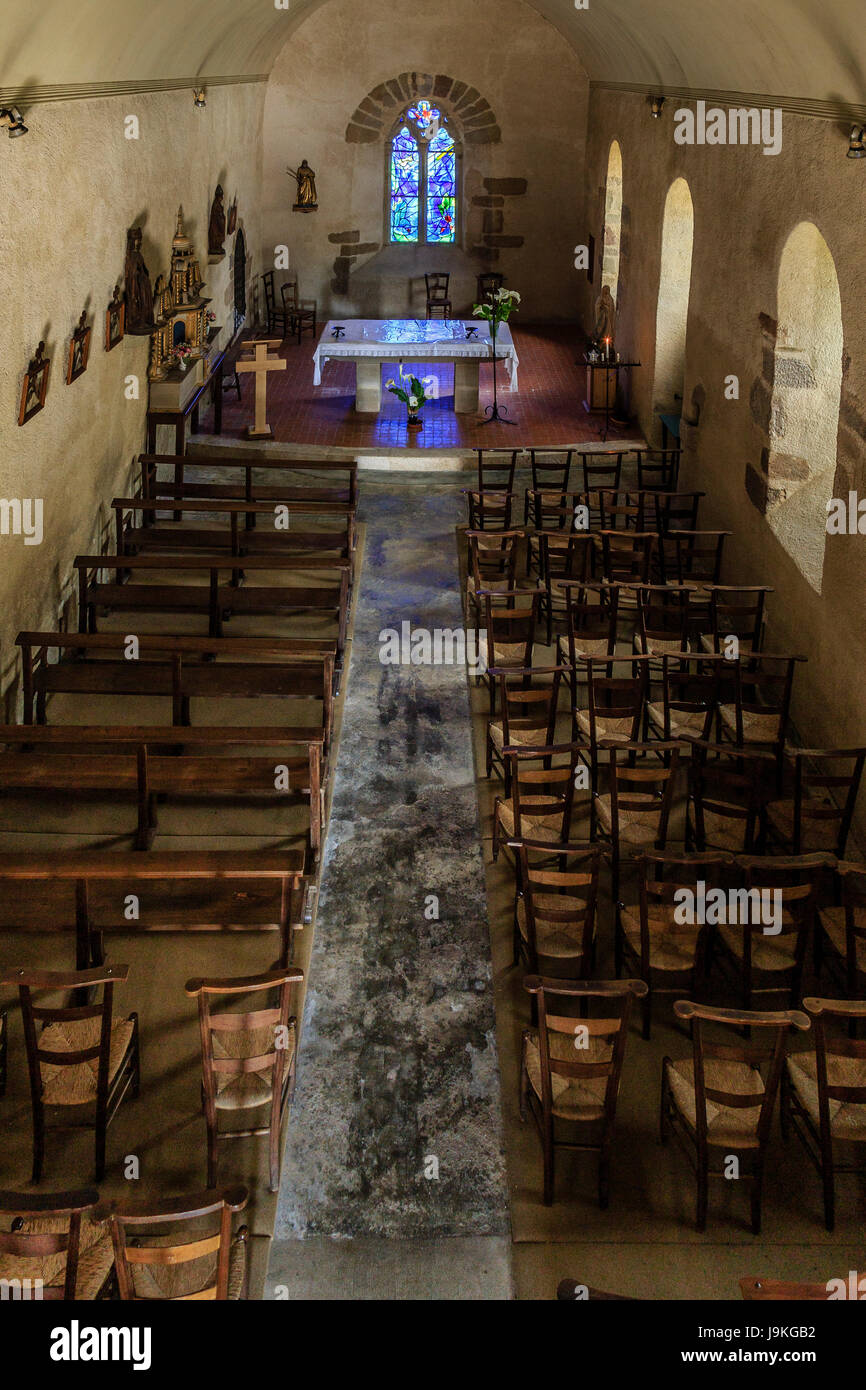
(71, 188)
(746, 205)
(538, 92)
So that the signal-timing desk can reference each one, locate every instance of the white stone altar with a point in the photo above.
(370, 342)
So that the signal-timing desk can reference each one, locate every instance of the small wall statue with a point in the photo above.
(306, 178)
(605, 317)
(137, 286)
(216, 234)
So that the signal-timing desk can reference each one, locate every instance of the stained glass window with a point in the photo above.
(405, 200)
(441, 188)
(423, 179)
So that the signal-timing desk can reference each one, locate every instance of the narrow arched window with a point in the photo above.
(422, 172)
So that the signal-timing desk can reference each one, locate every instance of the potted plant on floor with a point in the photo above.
(413, 394)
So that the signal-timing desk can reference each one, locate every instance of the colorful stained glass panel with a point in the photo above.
(441, 189)
(405, 175)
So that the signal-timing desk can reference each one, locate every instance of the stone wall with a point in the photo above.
(519, 108)
(71, 188)
(746, 204)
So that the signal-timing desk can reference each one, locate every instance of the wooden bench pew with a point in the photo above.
(338, 537)
(86, 892)
(179, 669)
(221, 597)
(148, 762)
(183, 470)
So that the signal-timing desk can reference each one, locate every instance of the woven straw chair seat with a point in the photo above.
(669, 949)
(768, 952)
(95, 1257)
(833, 922)
(618, 730)
(660, 646)
(76, 1085)
(847, 1120)
(596, 646)
(757, 728)
(517, 738)
(725, 1125)
(535, 824)
(504, 653)
(495, 586)
(725, 832)
(635, 827)
(245, 1090)
(573, 1099)
(556, 939)
(682, 721)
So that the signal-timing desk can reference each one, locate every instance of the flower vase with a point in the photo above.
(414, 421)
(181, 365)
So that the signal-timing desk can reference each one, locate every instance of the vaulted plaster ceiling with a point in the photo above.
(807, 49)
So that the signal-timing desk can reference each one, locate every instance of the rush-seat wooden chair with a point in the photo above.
(438, 298)
(840, 941)
(550, 473)
(82, 1061)
(541, 800)
(554, 909)
(824, 1093)
(301, 313)
(634, 813)
(277, 318)
(527, 704)
(508, 636)
(492, 567)
(182, 1249)
(564, 561)
(728, 790)
(771, 918)
(571, 1067)
(818, 816)
(717, 1103)
(661, 939)
(248, 1059)
(51, 1250)
(759, 714)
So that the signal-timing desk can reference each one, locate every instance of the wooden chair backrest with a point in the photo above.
(524, 706)
(602, 469)
(542, 790)
(834, 773)
(614, 999)
(39, 1244)
(631, 785)
(832, 1048)
(550, 468)
(130, 1226)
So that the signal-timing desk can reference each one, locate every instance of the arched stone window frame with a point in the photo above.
(453, 128)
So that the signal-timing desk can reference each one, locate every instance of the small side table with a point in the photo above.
(602, 384)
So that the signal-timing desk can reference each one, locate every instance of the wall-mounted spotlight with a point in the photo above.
(10, 117)
(200, 98)
(656, 108)
(856, 148)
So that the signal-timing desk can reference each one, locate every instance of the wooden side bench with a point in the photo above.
(84, 892)
(178, 668)
(181, 466)
(148, 762)
(218, 600)
(338, 537)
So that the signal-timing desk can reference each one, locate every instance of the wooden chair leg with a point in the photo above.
(703, 1182)
(101, 1127)
(547, 1142)
(38, 1143)
(829, 1184)
(755, 1203)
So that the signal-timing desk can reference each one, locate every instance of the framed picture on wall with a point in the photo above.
(115, 321)
(79, 350)
(35, 387)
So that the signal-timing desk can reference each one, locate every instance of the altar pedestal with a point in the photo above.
(466, 376)
(368, 385)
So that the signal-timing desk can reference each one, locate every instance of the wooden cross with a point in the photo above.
(261, 364)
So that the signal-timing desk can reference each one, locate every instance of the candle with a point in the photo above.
(607, 348)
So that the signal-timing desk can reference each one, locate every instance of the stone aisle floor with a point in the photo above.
(393, 1177)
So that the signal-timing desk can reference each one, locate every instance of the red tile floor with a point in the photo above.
(547, 407)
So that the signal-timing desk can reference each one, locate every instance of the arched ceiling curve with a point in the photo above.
(805, 49)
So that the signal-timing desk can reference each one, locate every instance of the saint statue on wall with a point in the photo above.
(139, 294)
(605, 317)
(217, 225)
(306, 177)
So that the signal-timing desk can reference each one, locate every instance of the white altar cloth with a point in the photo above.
(414, 340)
